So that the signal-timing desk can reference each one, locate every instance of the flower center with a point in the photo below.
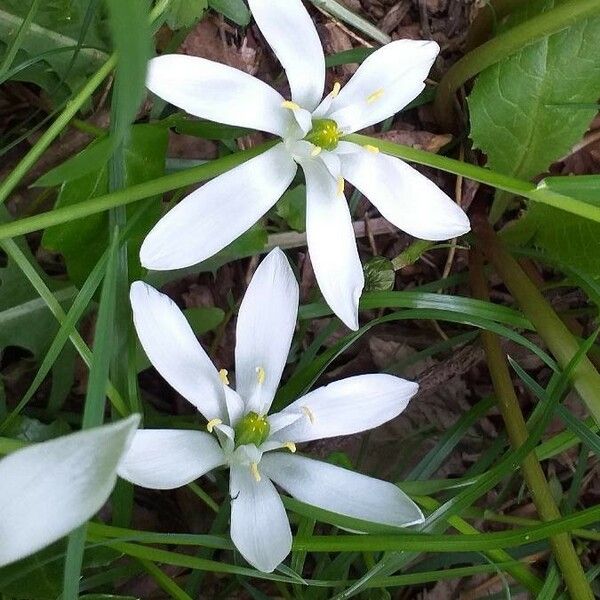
(324, 134)
(252, 429)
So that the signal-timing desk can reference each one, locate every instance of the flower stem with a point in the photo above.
(502, 46)
(508, 403)
(547, 323)
(507, 183)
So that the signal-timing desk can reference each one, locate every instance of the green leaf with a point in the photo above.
(379, 274)
(132, 40)
(526, 111)
(184, 13)
(291, 207)
(234, 10)
(83, 242)
(562, 236)
(57, 25)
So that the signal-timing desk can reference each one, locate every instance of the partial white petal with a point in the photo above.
(405, 197)
(283, 420)
(331, 243)
(219, 212)
(265, 326)
(49, 489)
(385, 83)
(235, 405)
(288, 28)
(217, 92)
(260, 528)
(347, 406)
(173, 349)
(341, 491)
(163, 459)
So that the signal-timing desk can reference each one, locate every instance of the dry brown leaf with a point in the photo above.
(423, 140)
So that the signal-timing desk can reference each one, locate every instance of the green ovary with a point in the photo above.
(252, 429)
(324, 134)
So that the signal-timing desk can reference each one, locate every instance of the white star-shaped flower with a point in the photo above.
(258, 448)
(311, 130)
(49, 489)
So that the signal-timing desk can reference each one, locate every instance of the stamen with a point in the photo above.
(290, 446)
(255, 473)
(223, 376)
(212, 424)
(310, 414)
(316, 151)
(290, 105)
(374, 96)
(340, 186)
(369, 148)
(336, 89)
(260, 375)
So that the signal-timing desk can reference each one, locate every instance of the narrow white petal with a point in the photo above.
(341, 491)
(235, 405)
(331, 243)
(163, 459)
(49, 489)
(260, 528)
(288, 28)
(265, 326)
(405, 197)
(385, 83)
(347, 406)
(217, 92)
(219, 212)
(173, 349)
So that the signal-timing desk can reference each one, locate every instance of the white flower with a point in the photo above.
(310, 129)
(51, 488)
(258, 449)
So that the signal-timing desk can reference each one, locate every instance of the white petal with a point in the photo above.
(260, 528)
(282, 420)
(288, 28)
(265, 326)
(341, 491)
(348, 406)
(49, 489)
(405, 197)
(173, 349)
(235, 405)
(385, 83)
(331, 243)
(217, 92)
(219, 212)
(163, 459)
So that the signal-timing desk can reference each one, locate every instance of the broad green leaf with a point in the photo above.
(526, 111)
(82, 242)
(235, 10)
(562, 236)
(184, 13)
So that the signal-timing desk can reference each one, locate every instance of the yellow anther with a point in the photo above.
(374, 96)
(223, 376)
(260, 375)
(212, 424)
(340, 186)
(310, 414)
(369, 148)
(316, 151)
(254, 470)
(336, 89)
(290, 446)
(290, 105)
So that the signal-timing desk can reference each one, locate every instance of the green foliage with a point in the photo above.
(562, 236)
(184, 13)
(291, 207)
(52, 39)
(379, 274)
(526, 111)
(144, 160)
(234, 10)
